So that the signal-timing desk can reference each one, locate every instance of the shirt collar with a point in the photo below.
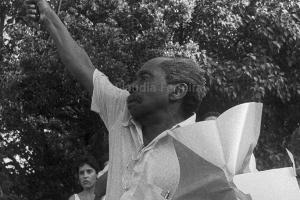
(129, 121)
(191, 120)
(188, 121)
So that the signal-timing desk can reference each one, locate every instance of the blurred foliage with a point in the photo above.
(249, 50)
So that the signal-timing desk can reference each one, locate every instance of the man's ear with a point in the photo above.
(178, 91)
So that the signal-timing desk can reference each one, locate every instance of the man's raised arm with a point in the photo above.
(73, 56)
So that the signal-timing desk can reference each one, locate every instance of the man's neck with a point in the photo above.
(156, 123)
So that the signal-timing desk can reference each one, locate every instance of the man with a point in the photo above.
(165, 95)
(210, 116)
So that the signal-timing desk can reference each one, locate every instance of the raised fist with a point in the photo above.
(37, 9)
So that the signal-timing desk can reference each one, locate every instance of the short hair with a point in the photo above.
(185, 70)
(87, 159)
(210, 114)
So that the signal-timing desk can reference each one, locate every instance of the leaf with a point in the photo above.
(276, 44)
(296, 17)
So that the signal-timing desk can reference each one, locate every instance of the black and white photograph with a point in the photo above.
(150, 100)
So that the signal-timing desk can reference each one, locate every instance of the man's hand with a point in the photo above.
(37, 9)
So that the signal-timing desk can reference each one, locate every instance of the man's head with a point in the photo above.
(210, 116)
(162, 83)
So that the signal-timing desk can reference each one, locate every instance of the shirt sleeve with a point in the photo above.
(107, 99)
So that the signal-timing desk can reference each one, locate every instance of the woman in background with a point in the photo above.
(87, 170)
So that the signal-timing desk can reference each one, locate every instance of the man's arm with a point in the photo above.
(73, 56)
(107, 99)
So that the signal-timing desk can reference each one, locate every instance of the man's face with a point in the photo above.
(149, 92)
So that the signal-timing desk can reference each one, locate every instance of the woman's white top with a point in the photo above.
(76, 197)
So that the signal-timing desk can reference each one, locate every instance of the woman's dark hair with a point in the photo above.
(87, 159)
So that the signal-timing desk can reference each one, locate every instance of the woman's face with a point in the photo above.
(87, 176)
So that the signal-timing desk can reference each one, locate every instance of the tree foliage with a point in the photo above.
(249, 50)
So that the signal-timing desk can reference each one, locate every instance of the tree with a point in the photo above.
(248, 49)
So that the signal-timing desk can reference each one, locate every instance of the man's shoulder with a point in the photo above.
(123, 119)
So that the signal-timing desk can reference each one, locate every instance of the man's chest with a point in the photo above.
(155, 164)
(154, 168)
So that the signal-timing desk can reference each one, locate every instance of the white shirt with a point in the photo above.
(130, 163)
